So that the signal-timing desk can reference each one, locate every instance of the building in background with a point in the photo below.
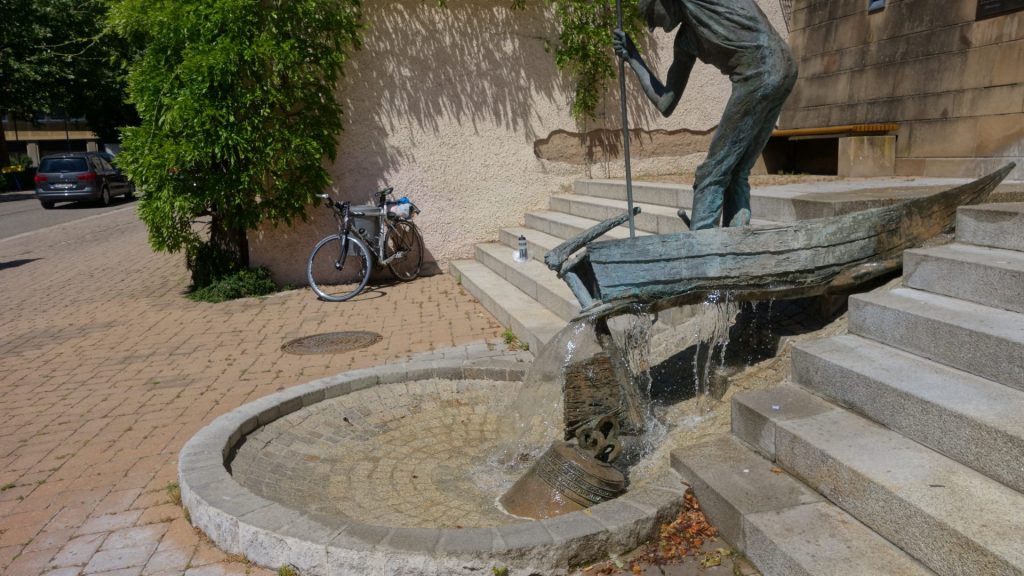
(48, 134)
(907, 88)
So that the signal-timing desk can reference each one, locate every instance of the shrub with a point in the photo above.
(242, 283)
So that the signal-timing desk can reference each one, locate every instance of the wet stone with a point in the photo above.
(417, 455)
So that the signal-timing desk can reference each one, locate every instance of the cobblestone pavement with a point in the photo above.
(107, 370)
(421, 454)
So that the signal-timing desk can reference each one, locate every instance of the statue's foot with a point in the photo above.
(686, 219)
(741, 218)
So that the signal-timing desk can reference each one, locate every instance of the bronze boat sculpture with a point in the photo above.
(806, 258)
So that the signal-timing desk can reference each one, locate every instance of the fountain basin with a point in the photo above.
(272, 529)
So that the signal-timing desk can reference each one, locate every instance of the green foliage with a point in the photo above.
(238, 110)
(55, 55)
(513, 342)
(585, 47)
(242, 283)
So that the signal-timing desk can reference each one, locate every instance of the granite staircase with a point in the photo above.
(897, 448)
(532, 302)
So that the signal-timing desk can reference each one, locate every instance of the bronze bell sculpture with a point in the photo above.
(564, 479)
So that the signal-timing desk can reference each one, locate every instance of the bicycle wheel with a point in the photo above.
(403, 250)
(335, 275)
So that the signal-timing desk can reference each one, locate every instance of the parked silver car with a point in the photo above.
(79, 176)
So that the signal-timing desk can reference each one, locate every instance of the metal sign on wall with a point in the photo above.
(990, 8)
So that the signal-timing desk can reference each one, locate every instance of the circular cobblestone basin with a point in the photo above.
(391, 470)
(421, 454)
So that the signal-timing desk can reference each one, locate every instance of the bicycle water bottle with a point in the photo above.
(522, 254)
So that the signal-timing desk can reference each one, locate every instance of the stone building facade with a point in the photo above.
(462, 109)
(953, 82)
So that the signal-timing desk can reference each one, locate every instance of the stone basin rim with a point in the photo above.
(273, 535)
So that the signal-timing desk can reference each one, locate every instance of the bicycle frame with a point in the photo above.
(374, 239)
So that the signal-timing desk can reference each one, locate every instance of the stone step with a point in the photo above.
(989, 276)
(531, 277)
(785, 202)
(952, 519)
(969, 419)
(565, 226)
(984, 341)
(533, 324)
(781, 525)
(538, 243)
(652, 218)
(661, 194)
(995, 225)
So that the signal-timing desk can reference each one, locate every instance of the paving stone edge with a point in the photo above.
(274, 535)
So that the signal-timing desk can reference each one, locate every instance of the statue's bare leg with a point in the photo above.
(728, 147)
(722, 188)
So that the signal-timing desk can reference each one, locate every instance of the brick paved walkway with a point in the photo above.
(106, 370)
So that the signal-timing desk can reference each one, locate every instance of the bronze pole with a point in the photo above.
(625, 129)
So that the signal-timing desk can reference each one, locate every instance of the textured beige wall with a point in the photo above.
(453, 107)
(956, 86)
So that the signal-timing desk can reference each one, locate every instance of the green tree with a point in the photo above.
(238, 114)
(585, 47)
(55, 56)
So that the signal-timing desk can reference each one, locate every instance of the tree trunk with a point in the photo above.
(5, 157)
(232, 241)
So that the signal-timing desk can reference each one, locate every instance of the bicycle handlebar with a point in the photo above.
(381, 194)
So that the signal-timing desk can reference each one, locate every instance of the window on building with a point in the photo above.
(875, 5)
(991, 8)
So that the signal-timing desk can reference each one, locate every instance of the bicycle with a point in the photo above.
(340, 264)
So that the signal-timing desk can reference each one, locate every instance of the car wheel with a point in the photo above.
(130, 194)
(46, 204)
(105, 196)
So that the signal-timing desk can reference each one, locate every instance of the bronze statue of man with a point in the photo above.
(735, 37)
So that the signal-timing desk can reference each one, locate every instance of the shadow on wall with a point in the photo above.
(423, 67)
(478, 65)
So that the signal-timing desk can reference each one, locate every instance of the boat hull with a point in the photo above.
(826, 255)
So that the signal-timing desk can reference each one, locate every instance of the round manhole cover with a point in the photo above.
(332, 342)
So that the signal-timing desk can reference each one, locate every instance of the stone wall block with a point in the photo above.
(842, 8)
(853, 58)
(910, 166)
(927, 107)
(798, 20)
(1001, 136)
(996, 30)
(1009, 64)
(867, 156)
(962, 167)
(805, 117)
(989, 100)
(944, 138)
(929, 75)
(887, 110)
(850, 31)
(821, 91)
(904, 136)
(978, 69)
(848, 114)
(817, 39)
(814, 65)
(911, 16)
(874, 83)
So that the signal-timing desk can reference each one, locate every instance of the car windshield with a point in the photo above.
(63, 165)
